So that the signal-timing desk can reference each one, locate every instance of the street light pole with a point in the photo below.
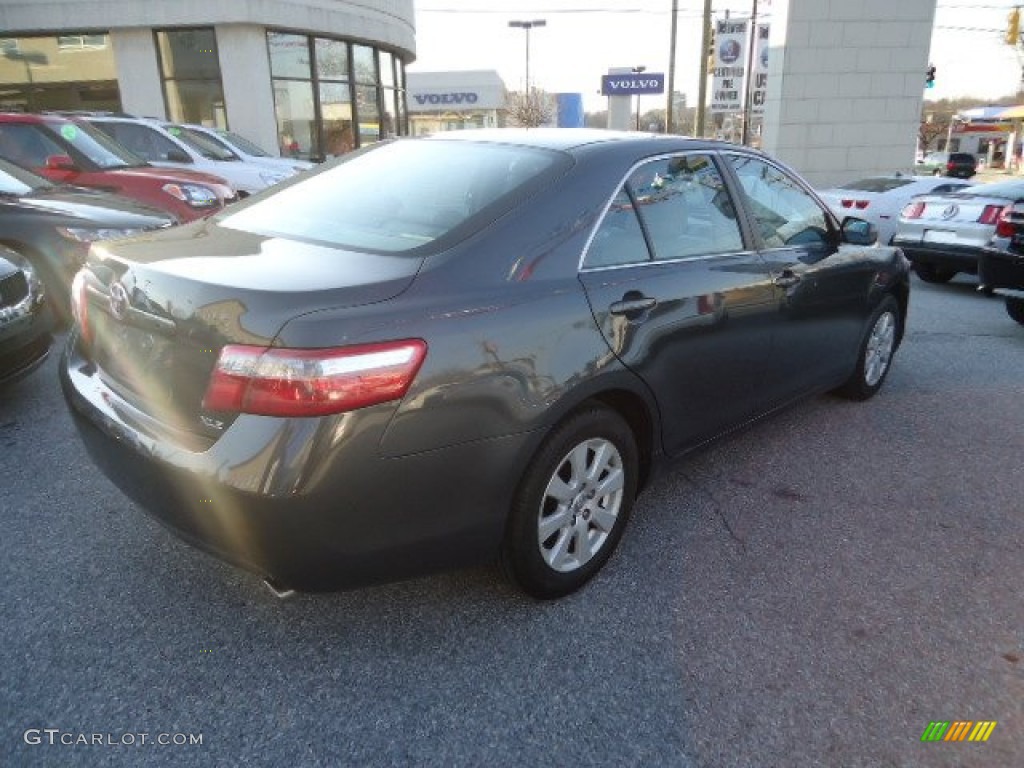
(637, 71)
(527, 26)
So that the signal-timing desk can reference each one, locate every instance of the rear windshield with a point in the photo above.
(877, 185)
(401, 195)
(961, 157)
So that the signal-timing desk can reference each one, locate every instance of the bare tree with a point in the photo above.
(529, 110)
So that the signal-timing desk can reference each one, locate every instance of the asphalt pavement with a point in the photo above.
(813, 591)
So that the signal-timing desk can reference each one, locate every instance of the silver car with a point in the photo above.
(945, 234)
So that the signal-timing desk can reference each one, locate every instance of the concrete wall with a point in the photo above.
(244, 63)
(846, 85)
(138, 73)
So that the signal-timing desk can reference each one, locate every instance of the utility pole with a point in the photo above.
(745, 135)
(669, 117)
(702, 86)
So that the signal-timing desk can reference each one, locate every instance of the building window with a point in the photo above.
(81, 42)
(73, 71)
(190, 71)
(331, 96)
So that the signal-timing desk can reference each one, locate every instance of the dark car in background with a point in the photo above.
(482, 358)
(961, 165)
(51, 226)
(946, 234)
(1001, 267)
(67, 150)
(25, 322)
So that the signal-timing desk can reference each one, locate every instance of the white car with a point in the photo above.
(245, 149)
(164, 144)
(881, 198)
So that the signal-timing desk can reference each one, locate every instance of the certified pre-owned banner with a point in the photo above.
(729, 66)
(631, 84)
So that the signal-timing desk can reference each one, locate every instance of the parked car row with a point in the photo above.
(879, 199)
(65, 184)
(947, 226)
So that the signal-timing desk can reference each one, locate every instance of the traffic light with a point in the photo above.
(711, 46)
(1013, 27)
(929, 76)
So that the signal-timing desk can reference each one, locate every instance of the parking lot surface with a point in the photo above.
(813, 591)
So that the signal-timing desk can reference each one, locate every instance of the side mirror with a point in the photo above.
(859, 232)
(61, 163)
(177, 156)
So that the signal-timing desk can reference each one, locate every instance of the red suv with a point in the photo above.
(69, 151)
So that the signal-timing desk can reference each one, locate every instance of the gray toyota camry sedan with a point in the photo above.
(466, 348)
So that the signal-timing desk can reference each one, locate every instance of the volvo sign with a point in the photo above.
(632, 84)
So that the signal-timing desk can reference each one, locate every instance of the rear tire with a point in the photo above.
(1015, 309)
(572, 504)
(876, 352)
(929, 273)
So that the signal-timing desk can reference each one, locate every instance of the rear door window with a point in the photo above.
(678, 205)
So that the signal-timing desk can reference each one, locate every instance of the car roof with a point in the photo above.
(27, 117)
(575, 138)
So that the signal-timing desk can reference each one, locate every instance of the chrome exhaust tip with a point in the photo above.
(281, 593)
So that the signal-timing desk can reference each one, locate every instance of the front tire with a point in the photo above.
(929, 273)
(1015, 309)
(572, 504)
(876, 352)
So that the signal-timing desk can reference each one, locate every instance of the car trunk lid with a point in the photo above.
(155, 319)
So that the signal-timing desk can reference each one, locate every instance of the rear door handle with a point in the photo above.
(633, 306)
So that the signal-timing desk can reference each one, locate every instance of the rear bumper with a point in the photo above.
(956, 257)
(307, 503)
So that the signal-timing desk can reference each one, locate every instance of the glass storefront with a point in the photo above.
(331, 96)
(190, 73)
(70, 71)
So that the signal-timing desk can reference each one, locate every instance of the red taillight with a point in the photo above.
(991, 214)
(312, 382)
(912, 211)
(1005, 227)
(950, 166)
(861, 204)
(80, 305)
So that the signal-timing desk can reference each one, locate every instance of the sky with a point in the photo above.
(583, 38)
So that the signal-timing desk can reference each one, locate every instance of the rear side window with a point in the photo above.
(401, 195)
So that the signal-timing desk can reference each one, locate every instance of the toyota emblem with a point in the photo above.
(950, 211)
(118, 300)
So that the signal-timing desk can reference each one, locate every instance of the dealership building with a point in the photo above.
(452, 101)
(311, 77)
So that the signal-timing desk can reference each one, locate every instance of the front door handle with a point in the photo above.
(631, 307)
(787, 279)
